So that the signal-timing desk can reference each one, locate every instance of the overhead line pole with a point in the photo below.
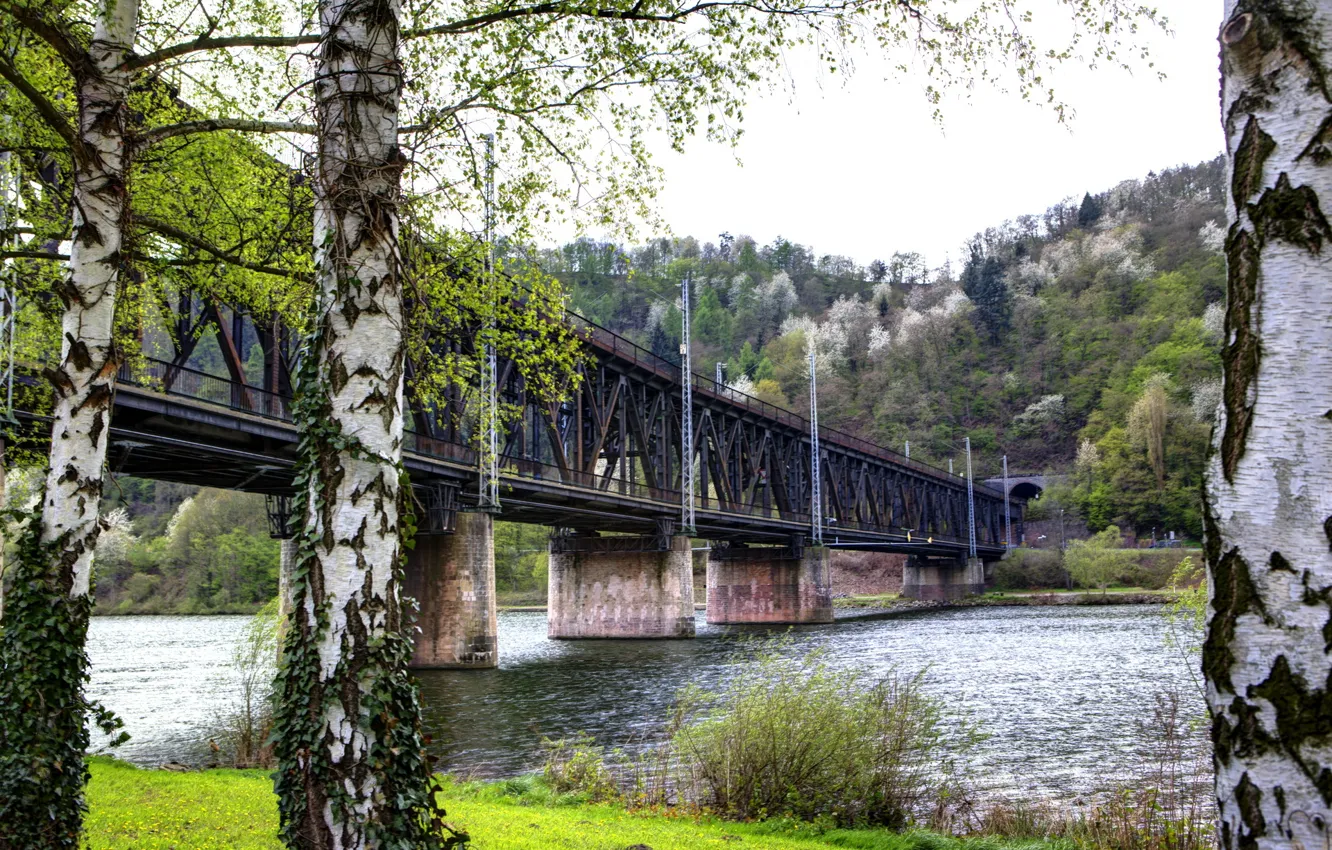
(815, 476)
(971, 506)
(1008, 518)
(488, 486)
(686, 416)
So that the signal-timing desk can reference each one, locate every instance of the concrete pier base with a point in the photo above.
(452, 578)
(770, 585)
(624, 594)
(942, 579)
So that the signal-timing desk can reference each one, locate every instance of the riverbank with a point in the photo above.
(235, 809)
(1010, 598)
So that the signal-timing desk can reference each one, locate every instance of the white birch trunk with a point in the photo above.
(354, 493)
(86, 375)
(1269, 484)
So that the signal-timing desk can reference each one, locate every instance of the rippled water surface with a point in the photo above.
(1059, 691)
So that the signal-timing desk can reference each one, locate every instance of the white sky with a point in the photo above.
(861, 169)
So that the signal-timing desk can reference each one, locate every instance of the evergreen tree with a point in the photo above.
(1089, 212)
(983, 283)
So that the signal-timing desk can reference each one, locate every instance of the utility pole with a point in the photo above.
(686, 416)
(908, 450)
(815, 480)
(1008, 518)
(488, 486)
(721, 375)
(971, 506)
(950, 466)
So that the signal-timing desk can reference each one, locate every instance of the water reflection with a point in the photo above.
(1058, 690)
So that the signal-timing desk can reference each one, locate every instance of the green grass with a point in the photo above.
(157, 810)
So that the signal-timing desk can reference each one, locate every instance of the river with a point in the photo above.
(1058, 691)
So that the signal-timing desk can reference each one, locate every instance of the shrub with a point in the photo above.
(794, 737)
(1028, 569)
(578, 766)
(243, 728)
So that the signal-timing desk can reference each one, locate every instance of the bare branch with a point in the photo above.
(32, 255)
(176, 234)
(205, 42)
(213, 125)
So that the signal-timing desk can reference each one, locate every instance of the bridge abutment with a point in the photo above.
(452, 578)
(770, 584)
(621, 587)
(942, 579)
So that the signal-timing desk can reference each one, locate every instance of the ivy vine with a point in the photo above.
(406, 814)
(43, 710)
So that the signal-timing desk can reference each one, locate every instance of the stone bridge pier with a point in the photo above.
(452, 578)
(621, 587)
(770, 584)
(936, 579)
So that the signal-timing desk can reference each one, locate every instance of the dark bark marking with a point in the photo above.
(1233, 596)
(1292, 215)
(79, 354)
(1250, 800)
(1247, 170)
(1318, 149)
(1327, 531)
(95, 430)
(1301, 718)
(1247, 103)
(1242, 351)
(1279, 562)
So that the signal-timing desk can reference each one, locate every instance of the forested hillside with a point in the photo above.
(1083, 340)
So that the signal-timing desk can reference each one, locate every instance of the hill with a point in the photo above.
(1082, 340)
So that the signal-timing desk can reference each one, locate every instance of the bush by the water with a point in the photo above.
(1038, 569)
(795, 737)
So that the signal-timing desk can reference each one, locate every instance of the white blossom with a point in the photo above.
(1088, 456)
(1212, 237)
(1214, 321)
(1206, 399)
(117, 536)
(1050, 408)
(742, 385)
(879, 339)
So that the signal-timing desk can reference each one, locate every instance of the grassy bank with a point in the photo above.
(156, 810)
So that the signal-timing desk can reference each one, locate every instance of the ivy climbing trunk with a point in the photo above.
(352, 770)
(43, 711)
(1269, 482)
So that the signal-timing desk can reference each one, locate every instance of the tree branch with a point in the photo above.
(66, 46)
(212, 125)
(45, 108)
(206, 42)
(32, 255)
(175, 233)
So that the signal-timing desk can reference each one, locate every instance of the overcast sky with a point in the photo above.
(862, 170)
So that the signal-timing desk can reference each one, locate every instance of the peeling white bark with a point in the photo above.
(354, 495)
(86, 374)
(1269, 489)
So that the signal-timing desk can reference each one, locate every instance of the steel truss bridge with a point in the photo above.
(606, 459)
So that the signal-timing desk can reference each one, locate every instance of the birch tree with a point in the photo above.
(43, 665)
(1269, 483)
